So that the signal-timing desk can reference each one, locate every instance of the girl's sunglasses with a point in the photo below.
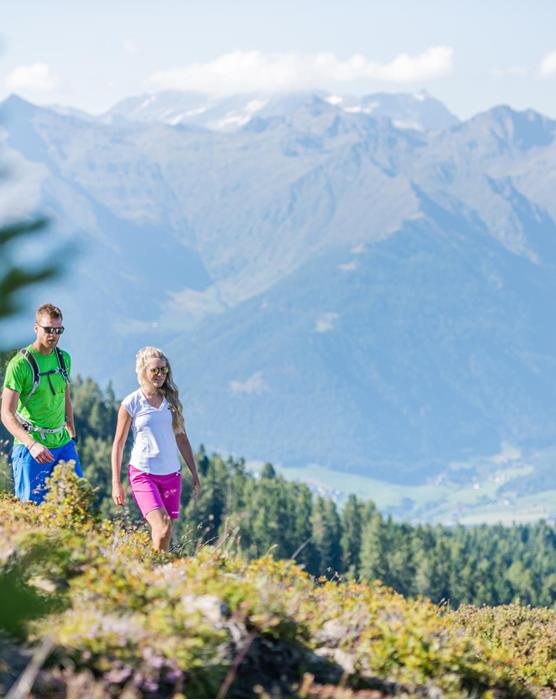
(155, 371)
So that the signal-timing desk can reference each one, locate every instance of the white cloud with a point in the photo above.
(246, 71)
(509, 72)
(253, 385)
(36, 78)
(325, 322)
(548, 65)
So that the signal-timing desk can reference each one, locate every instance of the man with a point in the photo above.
(36, 407)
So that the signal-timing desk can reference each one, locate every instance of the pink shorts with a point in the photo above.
(156, 491)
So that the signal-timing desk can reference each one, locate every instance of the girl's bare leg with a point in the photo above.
(161, 528)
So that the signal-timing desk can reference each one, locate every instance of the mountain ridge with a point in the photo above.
(420, 110)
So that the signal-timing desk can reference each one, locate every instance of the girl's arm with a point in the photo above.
(187, 453)
(122, 431)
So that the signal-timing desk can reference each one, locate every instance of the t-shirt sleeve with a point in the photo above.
(130, 404)
(19, 376)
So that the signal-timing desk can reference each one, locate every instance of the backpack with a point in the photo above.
(62, 369)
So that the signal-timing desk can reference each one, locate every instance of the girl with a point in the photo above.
(155, 413)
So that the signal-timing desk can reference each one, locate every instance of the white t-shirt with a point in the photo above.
(154, 443)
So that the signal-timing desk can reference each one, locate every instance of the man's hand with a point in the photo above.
(118, 494)
(40, 453)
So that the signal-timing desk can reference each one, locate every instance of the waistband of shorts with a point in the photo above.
(136, 471)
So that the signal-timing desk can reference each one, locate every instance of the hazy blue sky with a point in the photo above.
(471, 55)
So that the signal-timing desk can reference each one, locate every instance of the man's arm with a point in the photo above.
(10, 399)
(69, 414)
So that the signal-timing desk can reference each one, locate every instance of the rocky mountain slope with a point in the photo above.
(333, 286)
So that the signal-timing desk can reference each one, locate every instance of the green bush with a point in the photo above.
(69, 502)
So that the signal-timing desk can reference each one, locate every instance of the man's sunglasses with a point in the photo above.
(54, 330)
(158, 370)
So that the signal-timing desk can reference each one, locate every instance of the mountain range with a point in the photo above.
(364, 283)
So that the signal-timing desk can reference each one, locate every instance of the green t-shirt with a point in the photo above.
(44, 408)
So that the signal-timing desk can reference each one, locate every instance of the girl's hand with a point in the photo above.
(118, 494)
(196, 484)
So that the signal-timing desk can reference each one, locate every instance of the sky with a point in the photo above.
(470, 54)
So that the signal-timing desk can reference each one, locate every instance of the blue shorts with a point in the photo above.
(30, 476)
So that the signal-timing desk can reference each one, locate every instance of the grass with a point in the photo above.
(448, 502)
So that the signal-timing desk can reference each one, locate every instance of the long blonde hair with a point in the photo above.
(169, 389)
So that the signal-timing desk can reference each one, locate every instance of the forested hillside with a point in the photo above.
(266, 514)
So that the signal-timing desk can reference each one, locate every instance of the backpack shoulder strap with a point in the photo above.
(34, 369)
(62, 364)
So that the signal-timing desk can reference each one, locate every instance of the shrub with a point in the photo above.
(69, 502)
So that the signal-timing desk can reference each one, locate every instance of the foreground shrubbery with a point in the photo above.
(120, 621)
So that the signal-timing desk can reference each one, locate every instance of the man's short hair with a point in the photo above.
(48, 310)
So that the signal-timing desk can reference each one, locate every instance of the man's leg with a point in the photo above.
(29, 475)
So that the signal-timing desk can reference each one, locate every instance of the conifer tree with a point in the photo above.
(304, 551)
(373, 560)
(401, 572)
(326, 536)
(14, 278)
(207, 513)
(268, 471)
(352, 522)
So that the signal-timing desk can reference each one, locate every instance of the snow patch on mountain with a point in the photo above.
(348, 267)
(359, 109)
(235, 120)
(253, 385)
(325, 322)
(233, 112)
